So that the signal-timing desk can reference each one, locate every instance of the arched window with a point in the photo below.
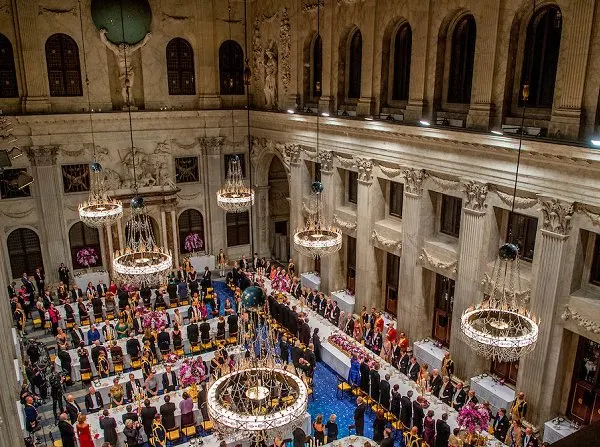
(540, 58)
(180, 67)
(354, 64)
(84, 242)
(231, 68)
(317, 66)
(62, 61)
(8, 74)
(24, 252)
(461, 61)
(402, 53)
(191, 232)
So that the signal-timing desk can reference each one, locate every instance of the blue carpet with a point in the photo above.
(223, 292)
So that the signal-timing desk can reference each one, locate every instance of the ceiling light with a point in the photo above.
(424, 123)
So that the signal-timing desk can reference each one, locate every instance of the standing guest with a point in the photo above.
(435, 382)
(442, 431)
(384, 392)
(446, 391)
(471, 398)
(418, 414)
(411, 438)
(413, 369)
(500, 425)
(454, 439)
(109, 427)
(151, 384)
(221, 261)
(39, 278)
(77, 336)
(133, 388)
(379, 426)
(159, 433)
(406, 411)
(429, 428)
(387, 441)
(72, 408)
(377, 342)
(67, 432)
(319, 430)
(93, 401)
(403, 361)
(147, 417)
(132, 433)
(103, 365)
(332, 428)
(316, 341)
(459, 397)
(202, 401)
(447, 365)
(359, 416)
(21, 319)
(364, 375)
(116, 393)
(167, 412)
(374, 380)
(186, 406)
(284, 352)
(129, 414)
(299, 437)
(396, 401)
(93, 334)
(354, 374)
(63, 273)
(132, 346)
(387, 350)
(169, 380)
(514, 435)
(56, 392)
(529, 440)
(84, 434)
(54, 318)
(32, 423)
(518, 408)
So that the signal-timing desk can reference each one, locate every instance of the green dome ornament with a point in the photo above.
(136, 14)
(253, 296)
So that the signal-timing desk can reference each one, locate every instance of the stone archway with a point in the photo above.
(279, 211)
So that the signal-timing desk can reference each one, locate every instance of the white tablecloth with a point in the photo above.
(200, 262)
(310, 279)
(345, 301)
(552, 433)
(499, 396)
(427, 352)
(82, 279)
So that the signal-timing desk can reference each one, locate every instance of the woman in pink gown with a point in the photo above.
(429, 428)
(83, 432)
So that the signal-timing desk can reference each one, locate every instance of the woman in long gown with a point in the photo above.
(387, 351)
(354, 374)
(513, 437)
(83, 432)
(429, 428)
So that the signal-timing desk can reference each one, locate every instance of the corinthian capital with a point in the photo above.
(413, 181)
(211, 145)
(556, 215)
(365, 167)
(42, 155)
(476, 195)
(292, 153)
(326, 160)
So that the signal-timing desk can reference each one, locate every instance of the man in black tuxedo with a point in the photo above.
(364, 376)
(413, 369)
(12, 289)
(418, 414)
(529, 440)
(244, 263)
(335, 314)
(40, 279)
(442, 431)
(132, 346)
(406, 409)
(458, 397)
(384, 392)
(436, 382)
(193, 334)
(67, 432)
(296, 288)
(72, 408)
(167, 411)
(101, 288)
(75, 293)
(164, 341)
(446, 391)
(471, 398)
(133, 388)
(359, 416)
(403, 361)
(65, 361)
(374, 379)
(63, 273)
(303, 332)
(501, 425)
(206, 276)
(130, 414)
(232, 325)
(93, 401)
(147, 416)
(169, 381)
(387, 441)
(205, 331)
(123, 298)
(297, 354)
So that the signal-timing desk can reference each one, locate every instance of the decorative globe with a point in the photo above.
(137, 202)
(508, 252)
(136, 14)
(253, 296)
(96, 167)
(317, 187)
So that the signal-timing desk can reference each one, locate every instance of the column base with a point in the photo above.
(565, 124)
(365, 106)
(209, 101)
(479, 116)
(36, 104)
(326, 104)
(289, 101)
(414, 110)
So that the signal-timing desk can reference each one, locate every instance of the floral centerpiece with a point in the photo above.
(171, 358)
(87, 257)
(192, 371)
(474, 418)
(193, 243)
(154, 319)
(349, 347)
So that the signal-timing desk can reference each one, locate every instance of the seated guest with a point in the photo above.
(471, 398)
(169, 380)
(167, 411)
(93, 334)
(93, 401)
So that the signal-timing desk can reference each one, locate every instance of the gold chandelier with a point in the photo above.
(235, 196)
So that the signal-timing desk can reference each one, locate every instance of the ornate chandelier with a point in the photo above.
(142, 263)
(258, 399)
(317, 238)
(501, 328)
(100, 209)
(235, 196)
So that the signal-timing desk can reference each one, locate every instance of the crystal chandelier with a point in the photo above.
(501, 328)
(100, 209)
(235, 196)
(258, 398)
(142, 262)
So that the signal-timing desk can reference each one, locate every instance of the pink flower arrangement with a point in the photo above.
(348, 345)
(154, 319)
(193, 243)
(87, 257)
(474, 418)
(171, 358)
(192, 371)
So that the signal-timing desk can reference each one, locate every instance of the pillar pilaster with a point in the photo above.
(175, 248)
(48, 187)
(540, 372)
(163, 227)
(261, 221)
(326, 101)
(214, 176)
(411, 313)
(366, 103)
(471, 260)
(111, 249)
(299, 183)
(418, 65)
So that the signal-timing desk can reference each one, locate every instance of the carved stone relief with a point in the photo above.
(413, 181)
(285, 40)
(42, 155)
(476, 193)
(326, 160)
(556, 215)
(365, 168)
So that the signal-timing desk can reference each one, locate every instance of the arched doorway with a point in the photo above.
(191, 232)
(85, 247)
(24, 252)
(279, 211)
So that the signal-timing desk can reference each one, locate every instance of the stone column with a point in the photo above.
(10, 427)
(175, 248)
(332, 275)
(483, 70)
(412, 314)
(368, 287)
(207, 83)
(48, 188)
(326, 101)
(299, 184)
(214, 176)
(540, 373)
(120, 234)
(261, 221)
(163, 229)
(366, 102)
(36, 99)
(471, 259)
(111, 249)
(418, 64)
(572, 69)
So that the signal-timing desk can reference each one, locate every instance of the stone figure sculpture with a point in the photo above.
(124, 53)
(270, 87)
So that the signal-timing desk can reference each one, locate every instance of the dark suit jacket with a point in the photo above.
(167, 411)
(442, 433)
(133, 416)
(418, 415)
(460, 398)
(204, 331)
(193, 333)
(133, 348)
(501, 426)
(364, 377)
(403, 364)
(89, 404)
(147, 416)
(436, 384)
(67, 434)
(335, 317)
(406, 411)
(73, 411)
(374, 379)
(129, 389)
(304, 333)
(447, 393)
(164, 341)
(413, 371)
(77, 336)
(532, 442)
(359, 414)
(169, 383)
(384, 393)
(387, 442)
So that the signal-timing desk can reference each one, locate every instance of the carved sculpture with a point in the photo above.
(258, 52)
(557, 215)
(270, 87)
(124, 54)
(476, 194)
(326, 160)
(430, 260)
(365, 168)
(285, 41)
(413, 181)
(580, 320)
(389, 243)
(292, 153)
